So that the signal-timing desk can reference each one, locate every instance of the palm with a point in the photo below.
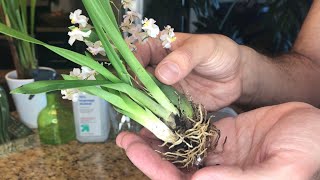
(279, 142)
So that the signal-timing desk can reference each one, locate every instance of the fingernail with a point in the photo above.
(169, 72)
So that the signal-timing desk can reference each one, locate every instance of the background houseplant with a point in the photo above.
(20, 15)
(268, 26)
(10, 128)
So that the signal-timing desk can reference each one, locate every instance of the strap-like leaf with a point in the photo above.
(103, 21)
(47, 86)
(70, 55)
(140, 98)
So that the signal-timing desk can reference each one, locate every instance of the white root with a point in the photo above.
(192, 143)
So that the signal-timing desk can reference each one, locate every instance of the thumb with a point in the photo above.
(182, 60)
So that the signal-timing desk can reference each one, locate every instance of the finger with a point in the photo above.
(152, 52)
(147, 54)
(147, 160)
(146, 133)
(183, 59)
(150, 69)
(120, 137)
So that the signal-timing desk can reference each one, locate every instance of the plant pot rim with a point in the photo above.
(12, 75)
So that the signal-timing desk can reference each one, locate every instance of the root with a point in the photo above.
(191, 148)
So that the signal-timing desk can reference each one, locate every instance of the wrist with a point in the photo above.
(252, 65)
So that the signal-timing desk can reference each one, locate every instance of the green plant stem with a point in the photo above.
(148, 120)
(128, 107)
(17, 18)
(104, 22)
(142, 99)
(113, 57)
(136, 106)
(32, 22)
(109, 11)
(177, 98)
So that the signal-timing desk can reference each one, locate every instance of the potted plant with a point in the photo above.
(16, 15)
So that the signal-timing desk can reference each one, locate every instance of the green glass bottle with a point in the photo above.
(56, 122)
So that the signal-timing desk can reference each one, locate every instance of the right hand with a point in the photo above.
(274, 142)
(205, 67)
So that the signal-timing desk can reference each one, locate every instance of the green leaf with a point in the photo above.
(141, 98)
(108, 9)
(53, 85)
(109, 48)
(103, 21)
(177, 98)
(32, 15)
(70, 55)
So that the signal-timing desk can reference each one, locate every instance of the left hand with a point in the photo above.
(275, 142)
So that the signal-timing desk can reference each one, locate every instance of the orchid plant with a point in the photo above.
(169, 115)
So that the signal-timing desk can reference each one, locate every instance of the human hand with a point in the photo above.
(275, 142)
(197, 64)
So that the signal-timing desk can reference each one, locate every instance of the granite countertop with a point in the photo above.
(26, 158)
(74, 160)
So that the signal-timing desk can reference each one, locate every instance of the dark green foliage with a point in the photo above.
(270, 27)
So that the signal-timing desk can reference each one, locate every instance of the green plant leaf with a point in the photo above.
(128, 107)
(112, 55)
(177, 98)
(108, 9)
(47, 86)
(141, 98)
(70, 55)
(103, 21)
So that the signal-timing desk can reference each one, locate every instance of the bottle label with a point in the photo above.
(89, 115)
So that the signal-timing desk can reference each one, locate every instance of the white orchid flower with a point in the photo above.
(128, 4)
(167, 37)
(135, 29)
(77, 18)
(126, 27)
(129, 21)
(130, 42)
(76, 73)
(137, 34)
(70, 94)
(88, 73)
(131, 16)
(84, 74)
(95, 48)
(77, 34)
(151, 28)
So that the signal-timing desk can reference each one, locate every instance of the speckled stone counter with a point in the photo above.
(69, 161)
(26, 159)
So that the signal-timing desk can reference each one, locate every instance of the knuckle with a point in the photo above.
(184, 56)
